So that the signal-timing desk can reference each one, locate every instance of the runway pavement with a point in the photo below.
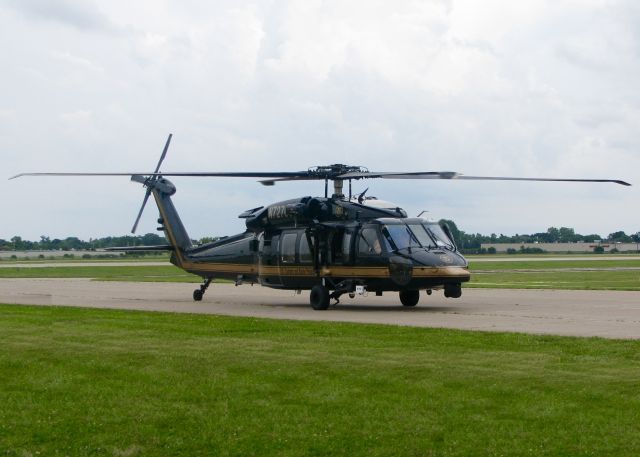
(609, 314)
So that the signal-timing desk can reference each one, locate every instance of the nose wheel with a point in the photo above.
(409, 297)
(199, 293)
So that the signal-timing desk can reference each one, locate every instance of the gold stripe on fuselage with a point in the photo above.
(308, 271)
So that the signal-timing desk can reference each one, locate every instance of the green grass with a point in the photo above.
(556, 275)
(574, 280)
(515, 264)
(94, 258)
(559, 275)
(165, 273)
(84, 382)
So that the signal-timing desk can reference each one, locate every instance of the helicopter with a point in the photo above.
(332, 245)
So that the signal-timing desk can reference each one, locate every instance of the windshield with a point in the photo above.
(441, 238)
(401, 236)
(423, 237)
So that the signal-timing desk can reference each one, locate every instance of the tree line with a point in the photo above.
(73, 243)
(465, 241)
(471, 242)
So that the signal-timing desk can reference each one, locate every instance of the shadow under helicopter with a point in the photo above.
(362, 308)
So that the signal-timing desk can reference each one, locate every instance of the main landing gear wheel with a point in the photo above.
(199, 293)
(319, 297)
(409, 297)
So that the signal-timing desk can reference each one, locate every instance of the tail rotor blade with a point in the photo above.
(144, 203)
(164, 152)
(145, 181)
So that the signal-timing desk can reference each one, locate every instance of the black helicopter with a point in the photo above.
(331, 245)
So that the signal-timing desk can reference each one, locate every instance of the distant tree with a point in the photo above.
(152, 239)
(553, 235)
(619, 237)
(566, 235)
(208, 239)
(455, 232)
(16, 243)
(45, 242)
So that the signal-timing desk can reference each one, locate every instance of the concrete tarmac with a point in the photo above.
(608, 314)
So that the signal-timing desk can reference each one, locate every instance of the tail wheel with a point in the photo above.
(319, 297)
(197, 294)
(409, 297)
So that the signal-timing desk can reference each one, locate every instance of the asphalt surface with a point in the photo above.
(609, 314)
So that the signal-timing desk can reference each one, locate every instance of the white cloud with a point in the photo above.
(536, 88)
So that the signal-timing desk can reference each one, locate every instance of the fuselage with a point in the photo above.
(339, 244)
(380, 254)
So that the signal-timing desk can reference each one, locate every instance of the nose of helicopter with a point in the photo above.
(420, 263)
(437, 258)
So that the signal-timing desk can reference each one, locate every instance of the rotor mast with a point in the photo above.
(334, 173)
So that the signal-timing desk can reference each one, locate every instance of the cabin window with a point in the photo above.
(304, 251)
(368, 242)
(336, 241)
(288, 248)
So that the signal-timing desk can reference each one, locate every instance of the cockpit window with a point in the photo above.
(368, 242)
(423, 237)
(400, 236)
(440, 236)
(416, 235)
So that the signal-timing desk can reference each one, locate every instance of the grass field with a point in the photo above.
(166, 273)
(585, 262)
(568, 280)
(84, 382)
(78, 258)
(515, 274)
(621, 274)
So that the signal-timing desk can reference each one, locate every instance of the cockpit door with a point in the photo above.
(368, 246)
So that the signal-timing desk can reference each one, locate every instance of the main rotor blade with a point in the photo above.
(508, 178)
(307, 175)
(196, 174)
(399, 175)
(144, 203)
(454, 175)
(271, 182)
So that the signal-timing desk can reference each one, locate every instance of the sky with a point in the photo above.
(500, 88)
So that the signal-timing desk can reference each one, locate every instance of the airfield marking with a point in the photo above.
(609, 314)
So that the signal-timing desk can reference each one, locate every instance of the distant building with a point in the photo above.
(562, 247)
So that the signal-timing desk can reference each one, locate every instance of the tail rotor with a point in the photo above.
(149, 182)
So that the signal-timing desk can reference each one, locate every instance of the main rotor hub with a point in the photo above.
(333, 171)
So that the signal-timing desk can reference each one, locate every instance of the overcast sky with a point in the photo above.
(517, 88)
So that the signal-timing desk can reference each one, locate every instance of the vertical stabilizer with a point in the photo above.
(169, 220)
